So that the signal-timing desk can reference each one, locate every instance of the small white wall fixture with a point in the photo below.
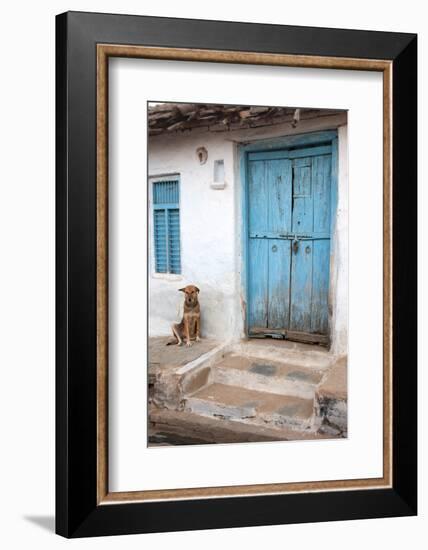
(218, 176)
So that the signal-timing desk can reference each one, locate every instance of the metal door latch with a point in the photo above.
(295, 246)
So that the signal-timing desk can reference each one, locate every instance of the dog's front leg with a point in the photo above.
(187, 329)
(198, 326)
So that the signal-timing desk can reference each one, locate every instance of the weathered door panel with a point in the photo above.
(258, 197)
(269, 214)
(321, 181)
(258, 251)
(258, 283)
(289, 242)
(321, 178)
(320, 285)
(302, 196)
(278, 178)
(301, 291)
(278, 283)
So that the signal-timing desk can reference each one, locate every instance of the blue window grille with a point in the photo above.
(166, 226)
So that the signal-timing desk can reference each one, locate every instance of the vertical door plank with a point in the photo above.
(258, 247)
(321, 181)
(320, 284)
(302, 196)
(321, 175)
(279, 182)
(301, 268)
(279, 283)
(258, 197)
(258, 283)
(301, 293)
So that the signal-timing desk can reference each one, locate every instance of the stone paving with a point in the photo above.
(163, 356)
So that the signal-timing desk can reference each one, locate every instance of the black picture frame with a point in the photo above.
(77, 511)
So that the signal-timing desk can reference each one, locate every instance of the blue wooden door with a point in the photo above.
(289, 207)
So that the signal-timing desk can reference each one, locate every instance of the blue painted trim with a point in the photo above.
(290, 153)
(328, 137)
(297, 140)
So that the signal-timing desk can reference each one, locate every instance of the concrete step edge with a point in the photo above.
(258, 382)
(319, 359)
(247, 413)
(212, 431)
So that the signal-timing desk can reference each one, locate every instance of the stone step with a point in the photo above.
(252, 407)
(285, 351)
(264, 375)
(185, 428)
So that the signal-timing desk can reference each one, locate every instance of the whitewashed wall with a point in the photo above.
(211, 230)
(339, 264)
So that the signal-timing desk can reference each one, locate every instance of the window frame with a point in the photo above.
(152, 180)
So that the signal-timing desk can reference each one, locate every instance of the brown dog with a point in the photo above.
(189, 327)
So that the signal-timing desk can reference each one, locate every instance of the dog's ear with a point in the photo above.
(182, 289)
(197, 289)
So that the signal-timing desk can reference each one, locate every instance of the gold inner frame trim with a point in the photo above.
(104, 51)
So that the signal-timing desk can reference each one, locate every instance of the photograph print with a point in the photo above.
(247, 273)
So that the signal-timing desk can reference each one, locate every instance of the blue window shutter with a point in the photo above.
(160, 241)
(166, 192)
(174, 240)
(166, 216)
